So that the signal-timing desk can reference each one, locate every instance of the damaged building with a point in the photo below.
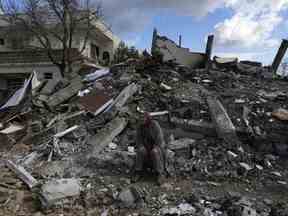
(171, 51)
(19, 53)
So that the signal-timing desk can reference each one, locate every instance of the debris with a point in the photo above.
(57, 189)
(97, 74)
(18, 96)
(131, 149)
(246, 166)
(182, 147)
(259, 167)
(209, 47)
(232, 154)
(130, 197)
(181, 209)
(66, 93)
(95, 102)
(160, 113)
(224, 126)
(282, 182)
(172, 52)
(281, 114)
(106, 135)
(122, 98)
(86, 130)
(49, 87)
(67, 131)
(166, 87)
(12, 128)
(153, 114)
(112, 146)
(279, 56)
(225, 61)
(276, 173)
(22, 174)
(193, 125)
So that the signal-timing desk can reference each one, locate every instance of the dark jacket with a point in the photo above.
(150, 136)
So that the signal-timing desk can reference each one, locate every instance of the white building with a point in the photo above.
(19, 55)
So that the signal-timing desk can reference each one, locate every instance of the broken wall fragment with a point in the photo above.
(170, 51)
(279, 56)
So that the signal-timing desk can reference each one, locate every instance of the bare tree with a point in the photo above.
(53, 22)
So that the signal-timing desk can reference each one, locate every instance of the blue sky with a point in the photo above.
(248, 29)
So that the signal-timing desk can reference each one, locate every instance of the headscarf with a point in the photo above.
(147, 119)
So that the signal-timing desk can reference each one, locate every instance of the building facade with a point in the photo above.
(21, 54)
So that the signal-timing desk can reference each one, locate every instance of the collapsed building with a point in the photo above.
(72, 144)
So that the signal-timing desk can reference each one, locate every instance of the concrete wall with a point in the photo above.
(171, 51)
(100, 36)
(28, 68)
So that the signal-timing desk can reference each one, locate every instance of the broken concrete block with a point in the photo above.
(67, 131)
(49, 87)
(246, 166)
(65, 93)
(224, 126)
(130, 197)
(170, 51)
(193, 125)
(181, 146)
(106, 135)
(279, 56)
(55, 190)
(13, 128)
(181, 209)
(125, 94)
(22, 174)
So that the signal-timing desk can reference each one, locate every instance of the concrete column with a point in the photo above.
(279, 56)
(180, 40)
(154, 38)
(209, 47)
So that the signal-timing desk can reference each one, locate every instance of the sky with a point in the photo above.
(247, 29)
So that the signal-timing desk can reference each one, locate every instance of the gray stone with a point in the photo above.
(130, 197)
(55, 190)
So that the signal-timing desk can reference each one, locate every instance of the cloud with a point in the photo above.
(128, 16)
(252, 24)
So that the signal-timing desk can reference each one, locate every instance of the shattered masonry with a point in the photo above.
(69, 146)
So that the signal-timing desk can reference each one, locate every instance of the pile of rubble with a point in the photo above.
(73, 142)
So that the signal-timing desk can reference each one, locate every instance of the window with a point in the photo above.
(16, 83)
(94, 51)
(48, 75)
(2, 42)
(17, 43)
(106, 57)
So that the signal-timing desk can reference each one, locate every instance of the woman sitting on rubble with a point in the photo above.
(150, 149)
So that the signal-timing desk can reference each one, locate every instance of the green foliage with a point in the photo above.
(123, 52)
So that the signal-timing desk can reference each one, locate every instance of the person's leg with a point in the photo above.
(158, 160)
(158, 164)
(140, 159)
(141, 155)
